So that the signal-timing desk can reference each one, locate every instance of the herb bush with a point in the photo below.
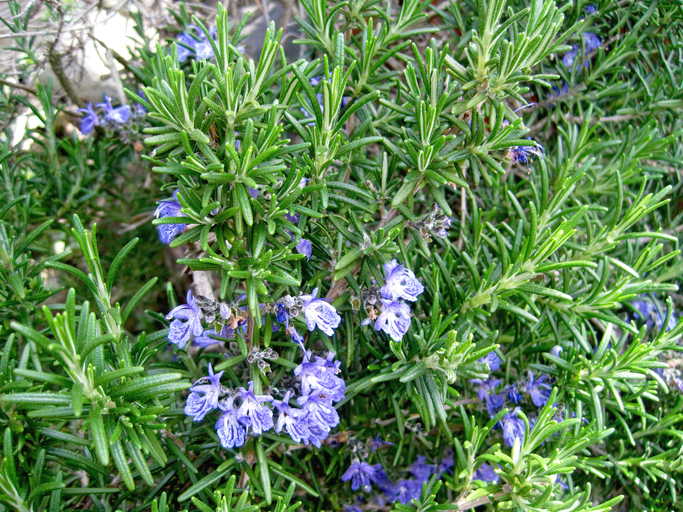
(430, 263)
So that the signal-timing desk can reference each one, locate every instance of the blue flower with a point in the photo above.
(513, 428)
(321, 377)
(230, 432)
(513, 395)
(204, 395)
(251, 413)
(360, 474)
(185, 46)
(378, 442)
(199, 46)
(408, 490)
(90, 120)
(319, 412)
(320, 313)
(119, 114)
(420, 469)
(446, 464)
(180, 332)
(167, 232)
(538, 390)
(494, 403)
(203, 48)
(305, 247)
(486, 387)
(296, 337)
(493, 360)
(206, 340)
(649, 312)
(591, 42)
(590, 9)
(401, 283)
(524, 154)
(485, 473)
(291, 420)
(394, 319)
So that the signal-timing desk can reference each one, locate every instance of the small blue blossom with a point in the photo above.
(649, 313)
(556, 351)
(167, 232)
(230, 432)
(320, 313)
(493, 360)
(291, 420)
(305, 247)
(494, 403)
(408, 490)
(180, 332)
(485, 473)
(204, 395)
(252, 413)
(590, 9)
(401, 283)
(206, 339)
(296, 337)
(281, 315)
(119, 114)
(486, 387)
(90, 120)
(203, 48)
(394, 319)
(446, 465)
(378, 442)
(513, 428)
(524, 154)
(321, 377)
(513, 395)
(591, 42)
(538, 390)
(420, 469)
(360, 474)
(319, 412)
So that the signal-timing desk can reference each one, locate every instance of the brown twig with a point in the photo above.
(19, 86)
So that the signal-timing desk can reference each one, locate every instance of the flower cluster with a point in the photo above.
(537, 390)
(111, 117)
(363, 475)
(245, 412)
(434, 222)
(394, 314)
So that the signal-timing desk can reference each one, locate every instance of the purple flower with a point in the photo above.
(167, 232)
(493, 360)
(291, 420)
(446, 464)
(513, 428)
(591, 41)
(90, 120)
(394, 319)
(251, 413)
(321, 377)
(185, 46)
(556, 351)
(319, 412)
(494, 403)
(377, 443)
(118, 115)
(293, 218)
(204, 395)
(408, 490)
(524, 154)
(228, 428)
(590, 9)
(320, 313)
(203, 48)
(679, 383)
(421, 470)
(180, 332)
(538, 390)
(360, 474)
(305, 247)
(401, 283)
(485, 473)
(513, 395)
(648, 311)
(296, 337)
(486, 387)
(206, 340)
